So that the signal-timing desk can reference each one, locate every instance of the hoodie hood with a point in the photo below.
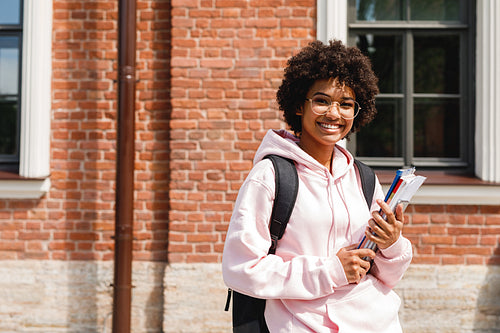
(285, 144)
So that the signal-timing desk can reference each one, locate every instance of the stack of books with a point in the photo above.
(403, 187)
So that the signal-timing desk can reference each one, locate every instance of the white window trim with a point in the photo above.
(34, 157)
(331, 20)
(487, 140)
(332, 23)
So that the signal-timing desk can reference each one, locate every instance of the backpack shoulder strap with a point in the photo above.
(367, 181)
(287, 185)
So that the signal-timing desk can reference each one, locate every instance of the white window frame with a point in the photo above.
(36, 99)
(332, 23)
(487, 139)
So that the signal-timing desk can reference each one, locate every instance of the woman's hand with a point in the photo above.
(355, 267)
(386, 231)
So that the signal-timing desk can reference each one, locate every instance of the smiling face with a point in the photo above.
(324, 131)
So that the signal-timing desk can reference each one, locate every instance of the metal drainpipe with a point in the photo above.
(124, 167)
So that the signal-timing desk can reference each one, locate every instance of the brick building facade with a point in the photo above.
(207, 75)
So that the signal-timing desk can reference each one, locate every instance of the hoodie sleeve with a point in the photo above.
(246, 266)
(391, 263)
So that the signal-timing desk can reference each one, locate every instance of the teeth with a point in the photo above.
(329, 126)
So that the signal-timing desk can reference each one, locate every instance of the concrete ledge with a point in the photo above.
(24, 189)
(457, 195)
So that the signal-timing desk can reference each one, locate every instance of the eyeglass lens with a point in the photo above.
(348, 109)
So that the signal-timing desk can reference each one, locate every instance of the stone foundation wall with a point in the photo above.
(435, 299)
(448, 299)
(76, 296)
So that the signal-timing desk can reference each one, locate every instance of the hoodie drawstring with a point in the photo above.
(340, 190)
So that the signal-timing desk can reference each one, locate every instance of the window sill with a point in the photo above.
(443, 188)
(13, 186)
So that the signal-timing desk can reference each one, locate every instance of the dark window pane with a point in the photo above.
(9, 65)
(385, 52)
(437, 127)
(383, 136)
(437, 64)
(8, 127)
(10, 11)
(435, 10)
(380, 10)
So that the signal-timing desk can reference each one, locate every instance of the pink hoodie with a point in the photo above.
(304, 283)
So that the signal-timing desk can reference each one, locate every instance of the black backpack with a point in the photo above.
(248, 312)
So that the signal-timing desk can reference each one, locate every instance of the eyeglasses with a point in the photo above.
(321, 105)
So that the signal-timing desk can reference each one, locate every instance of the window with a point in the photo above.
(26, 154)
(422, 51)
(11, 30)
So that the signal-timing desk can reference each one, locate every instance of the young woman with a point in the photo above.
(318, 281)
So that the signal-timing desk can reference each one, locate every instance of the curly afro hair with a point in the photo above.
(319, 61)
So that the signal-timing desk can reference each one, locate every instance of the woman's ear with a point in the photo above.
(299, 111)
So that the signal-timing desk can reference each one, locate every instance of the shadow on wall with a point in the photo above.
(89, 296)
(487, 316)
(157, 108)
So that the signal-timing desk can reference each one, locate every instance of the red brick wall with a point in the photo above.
(208, 72)
(444, 234)
(227, 61)
(76, 218)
